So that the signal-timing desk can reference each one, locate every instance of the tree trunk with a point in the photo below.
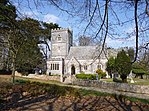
(13, 70)
(13, 74)
(141, 76)
(124, 78)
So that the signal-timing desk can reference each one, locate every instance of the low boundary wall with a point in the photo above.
(122, 87)
(43, 77)
(36, 76)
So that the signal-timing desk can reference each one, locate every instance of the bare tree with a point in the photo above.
(85, 41)
(106, 18)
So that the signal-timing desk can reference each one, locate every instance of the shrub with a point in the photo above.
(21, 81)
(86, 76)
(6, 72)
(100, 73)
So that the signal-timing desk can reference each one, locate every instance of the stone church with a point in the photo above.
(66, 59)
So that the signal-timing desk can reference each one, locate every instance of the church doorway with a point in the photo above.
(72, 70)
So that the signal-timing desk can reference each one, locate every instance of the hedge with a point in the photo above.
(86, 76)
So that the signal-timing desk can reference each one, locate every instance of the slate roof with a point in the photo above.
(83, 52)
(55, 59)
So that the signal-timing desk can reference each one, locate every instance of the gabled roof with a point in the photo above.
(83, 52)
(73, 60)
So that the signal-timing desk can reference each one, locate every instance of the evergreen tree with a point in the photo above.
(139, 69)
(21, 38)
(131, 53)
(123, 65)
(30, 56)
(110, 66)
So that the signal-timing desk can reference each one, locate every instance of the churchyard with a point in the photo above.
(137, 81)
(45, 95)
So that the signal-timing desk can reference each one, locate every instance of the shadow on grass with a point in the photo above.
(85, 103)
(58, 98)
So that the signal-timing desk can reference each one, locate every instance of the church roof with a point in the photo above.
(83, 52)
(55, 59)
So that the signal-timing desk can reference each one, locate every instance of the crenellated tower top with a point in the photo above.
(61, 29)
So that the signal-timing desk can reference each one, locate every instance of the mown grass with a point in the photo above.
(137, 81)
(141, 81)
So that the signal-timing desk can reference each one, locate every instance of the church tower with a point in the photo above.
(61, 41)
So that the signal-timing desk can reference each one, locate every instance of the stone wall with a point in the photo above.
(43, 77)
(123, 87)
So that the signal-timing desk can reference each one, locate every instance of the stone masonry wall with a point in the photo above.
(43, 77)
(123, 87)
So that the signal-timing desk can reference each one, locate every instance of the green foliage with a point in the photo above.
(131, 53)
(100, 73)
(139, 71)
(21, 38)
(29, 56)
(123, 65)
(21, 81)
(110, 65)
(7, 13)
(138, 67)
(86, 76)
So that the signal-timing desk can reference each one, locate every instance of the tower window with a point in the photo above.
(59, 38)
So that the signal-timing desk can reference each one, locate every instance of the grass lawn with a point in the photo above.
(136, 80)
(107, 80)
(141, 81)
(83, 92)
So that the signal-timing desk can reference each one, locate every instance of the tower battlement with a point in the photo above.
(61, 29)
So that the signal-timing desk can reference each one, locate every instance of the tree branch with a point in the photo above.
(146, 9)
(137, 35)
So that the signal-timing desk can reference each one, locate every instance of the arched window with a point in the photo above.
(73, 70)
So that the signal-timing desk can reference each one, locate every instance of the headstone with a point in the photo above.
(130, 75)
(18, 74)
(132, 81)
